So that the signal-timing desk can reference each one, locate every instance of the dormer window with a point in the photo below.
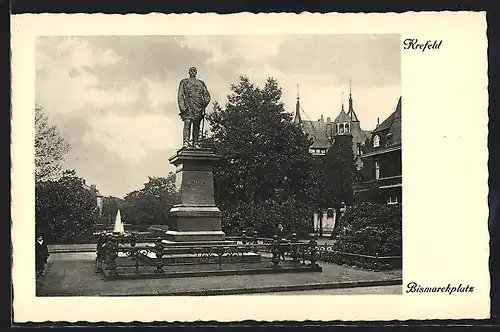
(376, 141)
(388, 140)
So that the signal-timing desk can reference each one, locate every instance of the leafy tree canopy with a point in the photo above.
(265, 166)
(50, 148)
(150, 204)
(338, 171)
(65, 210)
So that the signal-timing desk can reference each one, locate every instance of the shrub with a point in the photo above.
(369, 229)
(265, 216)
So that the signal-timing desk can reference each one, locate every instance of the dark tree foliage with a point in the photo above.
(65, 210)
(110, 207)
(150, 205)
(265, 176)
(339, 172)
(334, 177)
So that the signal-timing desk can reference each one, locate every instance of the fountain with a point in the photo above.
(119, 229)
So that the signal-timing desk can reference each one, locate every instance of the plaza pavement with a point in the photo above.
(374, 290)
(71, 272)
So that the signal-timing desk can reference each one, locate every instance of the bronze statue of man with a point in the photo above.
(193, 98)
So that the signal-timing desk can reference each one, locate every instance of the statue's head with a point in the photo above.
(193, 71)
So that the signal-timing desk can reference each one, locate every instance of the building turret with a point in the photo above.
(297, 119)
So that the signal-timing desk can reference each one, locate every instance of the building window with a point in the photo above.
(377, 170)
(359, 149)
(388, 140)
(376, 141)
(392, 200)
(329, 213)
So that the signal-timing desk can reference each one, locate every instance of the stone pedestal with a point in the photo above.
(196, 218)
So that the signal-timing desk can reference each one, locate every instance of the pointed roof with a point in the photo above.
(297, 108)
(392, 124)
(342, 117)
(350, 112)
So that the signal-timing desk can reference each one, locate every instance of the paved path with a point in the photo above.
(73, 274)
(390, 290)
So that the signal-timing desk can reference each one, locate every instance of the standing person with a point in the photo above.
(281, 233)
(41, 255)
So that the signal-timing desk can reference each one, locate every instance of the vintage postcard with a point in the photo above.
(205, 167)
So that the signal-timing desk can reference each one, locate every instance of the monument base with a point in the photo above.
(196, 218)
(158, 230)
(195, 236)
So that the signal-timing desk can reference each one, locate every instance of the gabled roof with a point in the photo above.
(392, 124)
(318, 131)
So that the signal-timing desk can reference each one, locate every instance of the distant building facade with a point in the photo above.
(380, 180)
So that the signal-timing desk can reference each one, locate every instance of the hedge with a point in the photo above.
(371, 230)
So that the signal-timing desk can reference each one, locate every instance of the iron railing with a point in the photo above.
(112, 246)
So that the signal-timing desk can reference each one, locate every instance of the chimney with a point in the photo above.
(378, 122)
(328, 119)
(321, 119)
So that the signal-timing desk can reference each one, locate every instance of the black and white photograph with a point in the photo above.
(232, 168)
(217, 165)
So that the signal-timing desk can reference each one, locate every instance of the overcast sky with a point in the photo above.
(114, 98)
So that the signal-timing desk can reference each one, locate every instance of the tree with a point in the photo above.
(150, 204)
(110, 206)
(65, 210)
(338, 171)
(50, 148)
(265, 174)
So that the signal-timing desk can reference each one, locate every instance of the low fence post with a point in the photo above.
(112, 254)
(313, 250)
(159, 255)
(135, 251)
(99, 254)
